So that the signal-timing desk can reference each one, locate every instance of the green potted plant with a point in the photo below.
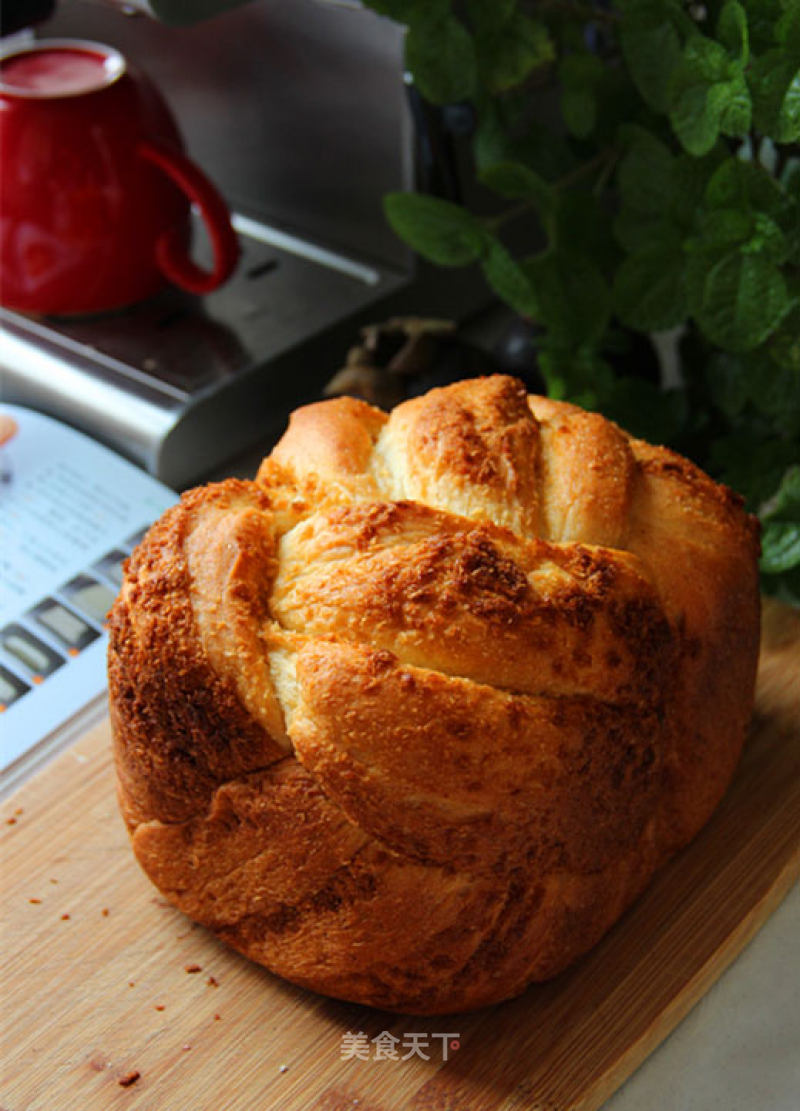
(666, 191)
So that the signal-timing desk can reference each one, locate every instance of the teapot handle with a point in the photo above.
(171, 252)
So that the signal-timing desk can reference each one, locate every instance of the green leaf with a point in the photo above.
(720, 229)
(780, 548)
(784, 505)
(574, 299)
(500, 139)
(517, 181)
(644, 409)
(440, 55)
(767, 239)
(732, 30)
(775, 86)
(490, 15)
(689, 182)
(580, 75)
(644, 172)
(727, 379)
(752, 462)
(508, 280)
(785, 346)
(651, 49)
(649, 289)
(576, 373)
(746, 185)
(744, 298)
(775, 394)
(440, 231)
(708, 94)
(762, 17)
(582, 217)
(737, 109)
(509, 55)
(644, 181)
(696, 115)
(787, 30)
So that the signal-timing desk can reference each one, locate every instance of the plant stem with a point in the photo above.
(607, 154)
(604, 158)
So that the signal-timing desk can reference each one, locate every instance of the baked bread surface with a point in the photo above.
(413, 717)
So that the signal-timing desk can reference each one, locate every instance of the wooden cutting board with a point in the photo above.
(112, 999)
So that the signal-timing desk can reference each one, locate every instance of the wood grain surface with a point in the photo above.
(112, 999)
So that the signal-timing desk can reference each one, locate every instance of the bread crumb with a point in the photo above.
(216, 1018)
(192, 968)
(186, 1047)
(11, 821)
(104, 912)
(129, 1078)
(34, 900)
(283, 1068)
(212, 982)
(131, 983)
(64, 917)
(159, 1006)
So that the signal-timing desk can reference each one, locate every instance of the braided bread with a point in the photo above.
(414, 716)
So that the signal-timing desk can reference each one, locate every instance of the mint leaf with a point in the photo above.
(784, 505)
(708, 94)
(644, 181)
(787, 30)
(775, 393)
(651, 49)
(574, 299)
(581, 217)
(745, 184)
(577, 373)
(780, 547)
(490, 15)
(732, 30)
(728, 382)
(649, 289)
(579, 77)
(751, 461)
(508, 280)
(696, 114)
(720, 229)
(762, 18)
(440, 231)
(440, 54)
(737, 109)
(508, 55)
(644, 172)
(500, 139)
(743, 298)
(689, 182)
(645, 410)
(775, 86)
(517, 181)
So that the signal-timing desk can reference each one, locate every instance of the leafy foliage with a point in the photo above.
(666, 196)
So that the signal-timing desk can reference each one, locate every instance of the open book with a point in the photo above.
(70, 512)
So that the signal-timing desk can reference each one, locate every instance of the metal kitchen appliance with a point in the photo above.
(298, 111)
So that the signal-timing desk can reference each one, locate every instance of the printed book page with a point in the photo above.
(71, 511)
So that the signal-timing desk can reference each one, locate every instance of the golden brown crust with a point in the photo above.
(413, 718)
